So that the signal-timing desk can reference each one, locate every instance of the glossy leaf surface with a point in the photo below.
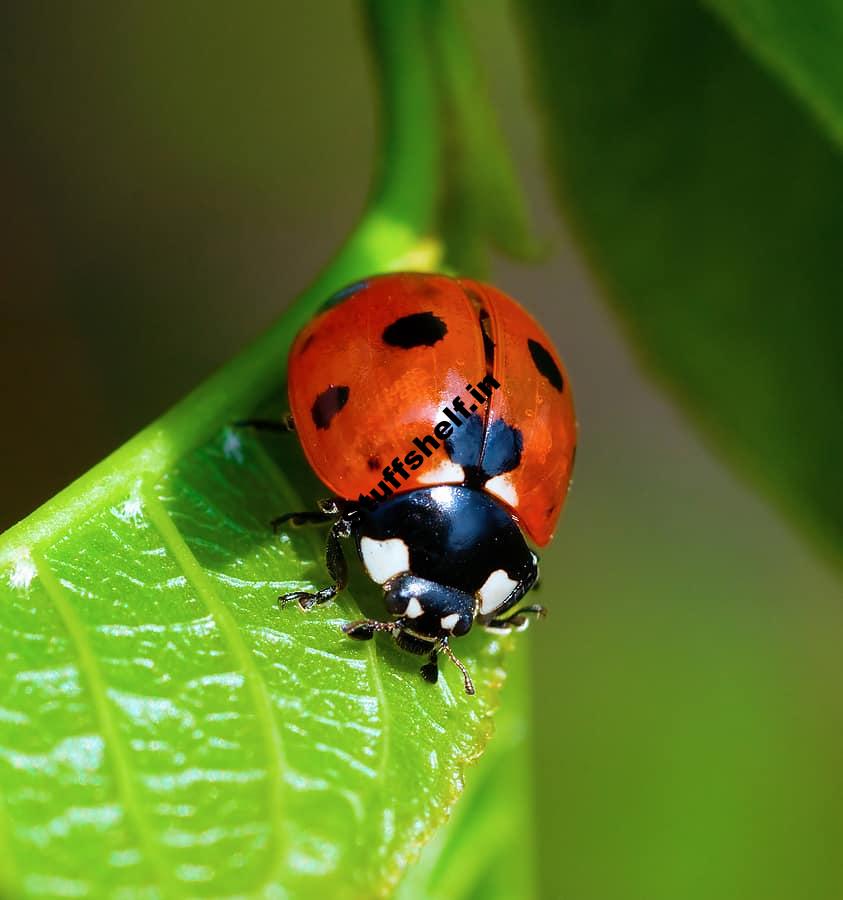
(166, 726)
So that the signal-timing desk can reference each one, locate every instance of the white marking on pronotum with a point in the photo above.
(232, 446)
(23, 572)
(502, 486)
(445, 473)
(414, 608)
(384, 559)
(448, 622)
(497, 587)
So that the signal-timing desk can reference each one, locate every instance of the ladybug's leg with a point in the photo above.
(446, 649)
(309, 517)
(337, 569)
(285, 425)
(328, 511)
(364, 629)
(430, 670)
(518, 620)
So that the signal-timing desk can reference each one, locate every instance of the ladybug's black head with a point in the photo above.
(430, 610)
(445, 556)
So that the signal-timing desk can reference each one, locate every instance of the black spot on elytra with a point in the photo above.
(373, 463)
(503, 449)
(545, 364)
(328, 404)
(465, 443)
(416, 330)
(307, 342)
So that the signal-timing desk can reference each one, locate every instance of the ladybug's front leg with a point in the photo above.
(282, 426)
(327, 512)
(364, 629)
(337, 569)
(518, 620)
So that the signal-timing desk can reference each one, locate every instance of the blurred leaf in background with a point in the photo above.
(695, 753)
(709, 199)
(800, 43)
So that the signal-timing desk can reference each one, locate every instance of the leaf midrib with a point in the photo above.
(114, 747)
(292, 497)
(254, 680)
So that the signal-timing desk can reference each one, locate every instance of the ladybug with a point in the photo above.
(440, 415)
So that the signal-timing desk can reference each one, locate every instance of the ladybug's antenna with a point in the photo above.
(446, 649)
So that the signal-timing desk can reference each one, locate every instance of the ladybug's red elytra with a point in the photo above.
(440, 415)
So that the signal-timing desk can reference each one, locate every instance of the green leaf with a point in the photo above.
(800, 42)
(165, 729)
(483, 203)
(186, 732)
(481, 853)
(710, 203)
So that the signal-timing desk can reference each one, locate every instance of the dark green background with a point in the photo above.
(174, 175)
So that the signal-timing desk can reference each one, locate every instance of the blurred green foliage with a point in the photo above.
(710, 202)
(800, 43)
(697, 746)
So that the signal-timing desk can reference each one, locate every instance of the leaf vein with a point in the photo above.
(279, 479)
(256, 684)
(93, 677)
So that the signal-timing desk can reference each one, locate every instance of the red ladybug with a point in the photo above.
(440, 415)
